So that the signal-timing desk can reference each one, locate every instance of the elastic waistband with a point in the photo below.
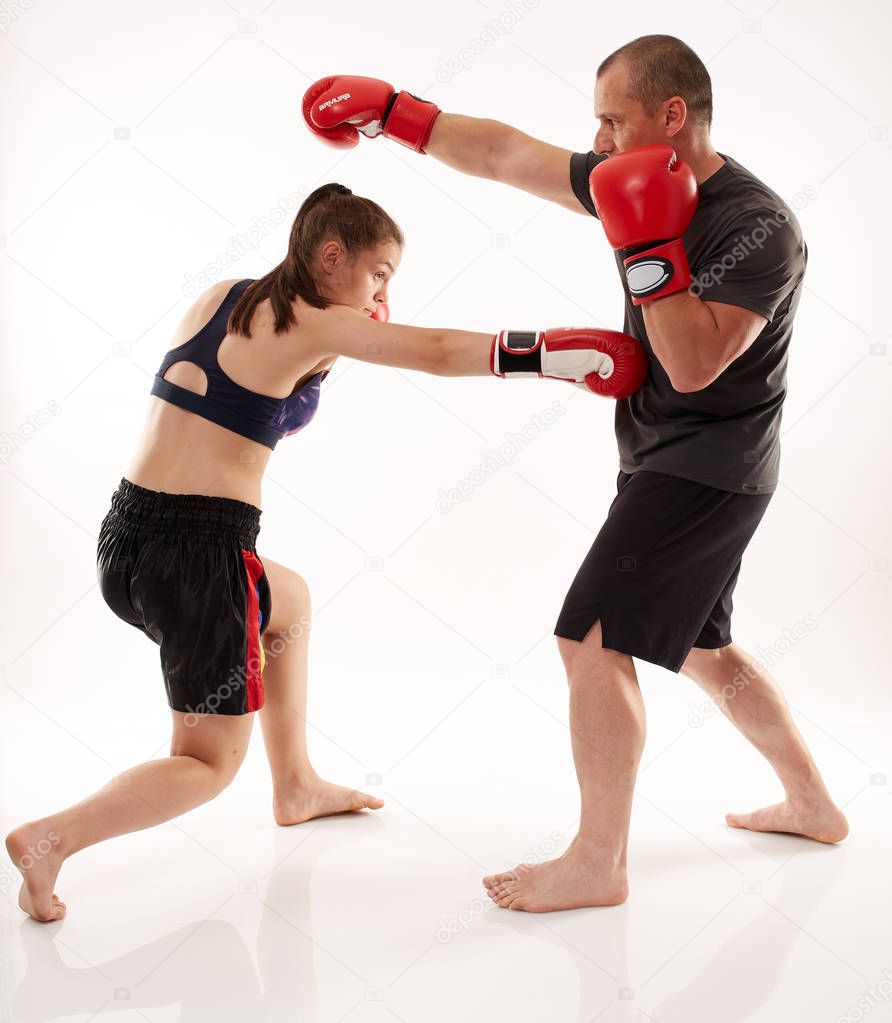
(194, 514)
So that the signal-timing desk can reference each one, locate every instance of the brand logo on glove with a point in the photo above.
(331, 102)
(648, 276)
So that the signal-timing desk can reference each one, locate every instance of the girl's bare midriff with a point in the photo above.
(181, 453)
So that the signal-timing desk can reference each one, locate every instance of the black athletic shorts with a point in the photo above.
(662, 570)
(183, 569)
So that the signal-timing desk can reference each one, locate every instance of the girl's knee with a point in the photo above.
(221, 770)
(219, 741)
(300, 595)
(290, 600)
(225, 772)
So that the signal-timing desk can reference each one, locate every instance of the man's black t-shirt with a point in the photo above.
(745, 248)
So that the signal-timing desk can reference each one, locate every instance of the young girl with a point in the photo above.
(176, 554)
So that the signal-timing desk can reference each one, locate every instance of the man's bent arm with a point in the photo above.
(695, 341)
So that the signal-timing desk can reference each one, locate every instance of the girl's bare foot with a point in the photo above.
(35, 852)
(817, 818)
(312, 797)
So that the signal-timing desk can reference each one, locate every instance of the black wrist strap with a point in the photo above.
(520, 351)
(388, 108)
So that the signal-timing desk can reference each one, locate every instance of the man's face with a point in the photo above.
(623, 122)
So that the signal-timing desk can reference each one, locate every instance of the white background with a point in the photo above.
(144, 141)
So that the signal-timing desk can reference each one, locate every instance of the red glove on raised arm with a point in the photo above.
(645, 198)
(337, 108)
(611, 364)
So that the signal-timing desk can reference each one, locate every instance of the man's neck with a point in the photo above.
(704, 163)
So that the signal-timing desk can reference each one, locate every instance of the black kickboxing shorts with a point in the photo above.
(183, 569)
(660, 574)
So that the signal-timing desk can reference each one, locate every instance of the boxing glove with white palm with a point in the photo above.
(611, 364)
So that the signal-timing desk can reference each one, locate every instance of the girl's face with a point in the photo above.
(360, 280)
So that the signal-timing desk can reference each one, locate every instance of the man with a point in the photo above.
(712, 264)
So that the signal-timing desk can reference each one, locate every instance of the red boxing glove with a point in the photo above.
(381, 313)
(645, 198)
(611, 364)
(337, 108)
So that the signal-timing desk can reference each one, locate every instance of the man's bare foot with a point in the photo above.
(313, 797)
(574, 880)
(35, 852)
(819, 819)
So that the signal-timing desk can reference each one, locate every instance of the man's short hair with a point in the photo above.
(663, 66)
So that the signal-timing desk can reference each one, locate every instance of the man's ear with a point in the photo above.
(676, 114)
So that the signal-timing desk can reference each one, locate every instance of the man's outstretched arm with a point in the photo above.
(339, 108)
(491, 149)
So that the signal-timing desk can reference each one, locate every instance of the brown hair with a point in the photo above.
(663, 66)
(331, 211)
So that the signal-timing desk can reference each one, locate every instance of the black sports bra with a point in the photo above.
(257, 416)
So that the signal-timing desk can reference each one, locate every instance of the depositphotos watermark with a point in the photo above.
(9, 878)
(12, 443)
(745, 244)
(11, 11)
(244, 242)
(869, 1000)
(238, 677)
(493, 30)
(36, 852)
(745, 675)
(493, 461)
(540, 851)
(465, 918)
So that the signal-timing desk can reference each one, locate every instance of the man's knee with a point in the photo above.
(589, 655)
(702, 661)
